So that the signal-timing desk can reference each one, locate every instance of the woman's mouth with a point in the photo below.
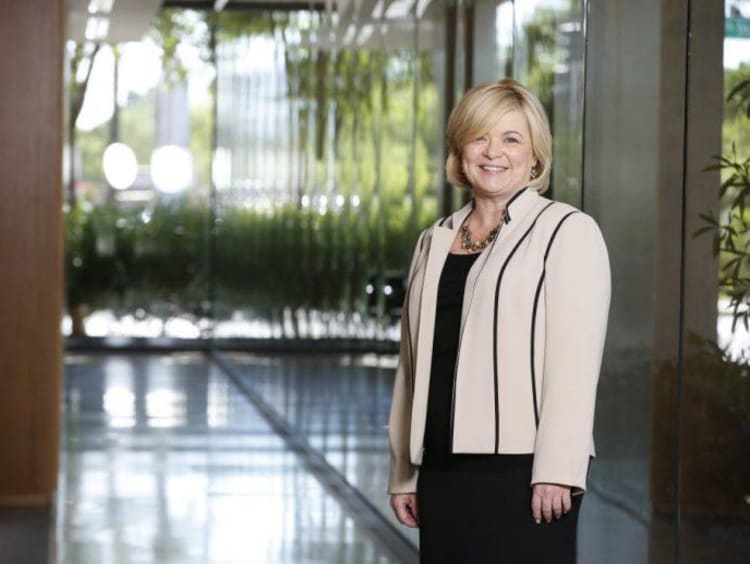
(490, 169)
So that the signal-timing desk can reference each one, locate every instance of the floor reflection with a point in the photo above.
(165, 461)
(340, 404)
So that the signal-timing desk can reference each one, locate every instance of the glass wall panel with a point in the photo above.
(366, 123)
(137, 199)
(327, 163)
(430, 100)
(633, 179)
(548, 58)
(326, 150)
(715, 395)
(493, 38)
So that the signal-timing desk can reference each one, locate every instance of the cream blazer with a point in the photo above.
(533, 326)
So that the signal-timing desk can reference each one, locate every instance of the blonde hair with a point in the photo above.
(479, 110)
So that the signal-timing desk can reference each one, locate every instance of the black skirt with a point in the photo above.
(474, 508)
(475, 517)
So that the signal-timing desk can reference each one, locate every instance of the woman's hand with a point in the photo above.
(405, 507)
(548, 500)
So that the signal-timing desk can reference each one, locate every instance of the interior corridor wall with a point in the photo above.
(667, 428)
(31, 273)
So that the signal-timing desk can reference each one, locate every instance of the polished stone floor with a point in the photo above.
(165, 461)
(340, 403)
(173, 458)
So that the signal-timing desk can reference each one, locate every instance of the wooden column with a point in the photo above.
(31, 248)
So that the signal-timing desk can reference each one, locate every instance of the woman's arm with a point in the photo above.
(403, 474)
(577, 290)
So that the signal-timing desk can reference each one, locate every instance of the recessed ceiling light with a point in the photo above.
(96, 28)
(100, 6)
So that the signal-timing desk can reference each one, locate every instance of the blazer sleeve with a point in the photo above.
(402, 476)
(577, 289)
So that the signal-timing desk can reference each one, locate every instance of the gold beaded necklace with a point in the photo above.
(474, 246)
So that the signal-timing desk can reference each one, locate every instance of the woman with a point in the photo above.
(503, 327)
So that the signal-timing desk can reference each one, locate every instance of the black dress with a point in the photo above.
(476, 508)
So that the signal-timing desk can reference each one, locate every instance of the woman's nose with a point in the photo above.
(492, 149)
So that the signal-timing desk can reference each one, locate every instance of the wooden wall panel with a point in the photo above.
(31, 247)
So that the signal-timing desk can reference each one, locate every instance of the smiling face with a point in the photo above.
(499, 162)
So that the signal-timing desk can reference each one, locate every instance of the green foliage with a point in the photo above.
(91, 145)
(290, 255)
(297, 257)
(128, 259)
(89, 271)
(201, 126)
(735, 130)
(739, 96)
(731, 230)
(175, 27)
(137, 127)
(235, 24)
(80, 57)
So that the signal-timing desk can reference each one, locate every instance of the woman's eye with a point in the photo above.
(512, 140)
(481, 138)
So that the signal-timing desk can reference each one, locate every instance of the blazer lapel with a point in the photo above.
(520, 209)
(439, 247)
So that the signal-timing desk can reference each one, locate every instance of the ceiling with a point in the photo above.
(117, 21)
(128, 19)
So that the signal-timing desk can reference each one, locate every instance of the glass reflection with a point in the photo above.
(136, 261)
(119, 403)
(340, 404)
(203, 495)
(493, 29)
(119, 399)
(165, 407)
(347, 152)
(217, 414)
(635, 206)
(715, 400)
(548, 57)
